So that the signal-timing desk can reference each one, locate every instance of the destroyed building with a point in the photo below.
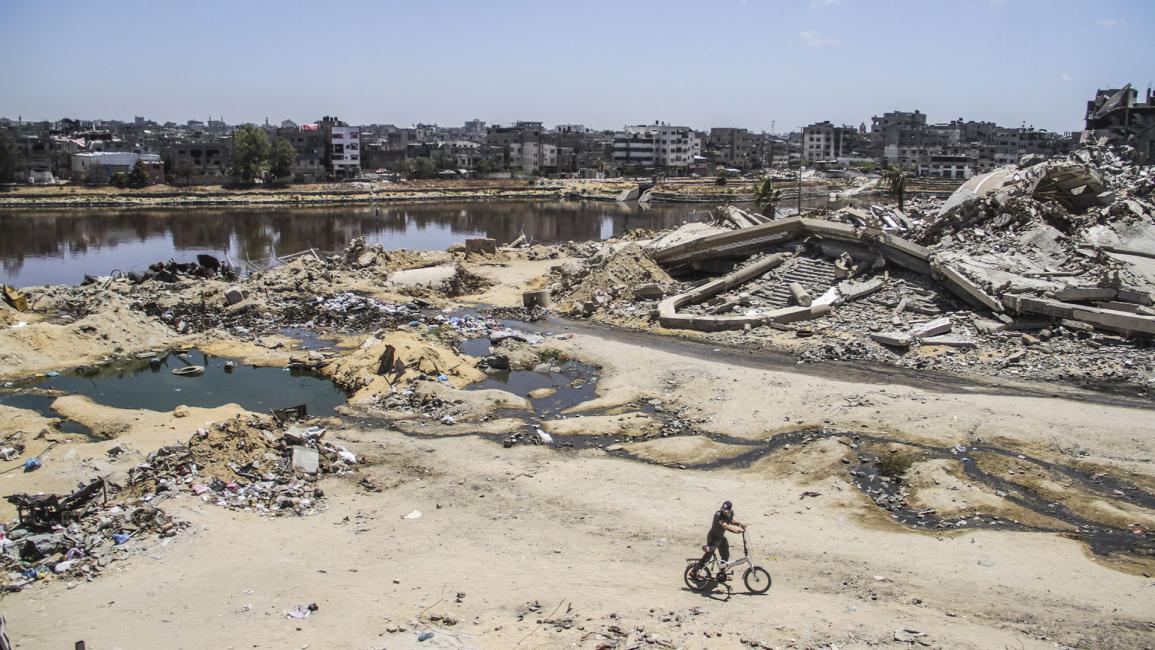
(1117, 115)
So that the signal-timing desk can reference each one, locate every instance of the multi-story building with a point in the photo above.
(532, 156)
(1118, 115)
(735, 147)
(824, 141)
(342, 148)
(205, 161)
(309, 142)
(98, 167)
(634, 146)
(658, 145)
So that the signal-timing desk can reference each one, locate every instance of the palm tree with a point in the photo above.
(766, 197)
(895, 181)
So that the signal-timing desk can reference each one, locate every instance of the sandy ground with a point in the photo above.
(602, 540)
(536, 547)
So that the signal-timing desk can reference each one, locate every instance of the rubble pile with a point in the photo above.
(609, 277)
(1044, 271)
(78, 541)
(248, 463)
(256, 464)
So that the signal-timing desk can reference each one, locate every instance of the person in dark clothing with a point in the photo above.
(716, 538)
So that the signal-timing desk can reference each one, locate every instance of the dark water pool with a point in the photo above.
(149, 383)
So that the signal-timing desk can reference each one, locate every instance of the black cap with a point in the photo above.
(726, 505)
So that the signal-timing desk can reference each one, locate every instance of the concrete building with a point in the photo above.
(98, 167)
(309, 143)
(532, 156)
(1117, 115)
(202, 162)
(824, 141)
(656, 146)
(634, 146)
(735, 147)
(342, 148)
(947, 166)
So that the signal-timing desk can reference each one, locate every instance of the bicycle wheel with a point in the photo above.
(757, 580)
(696, 580)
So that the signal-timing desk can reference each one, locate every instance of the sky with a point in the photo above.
(760, 64)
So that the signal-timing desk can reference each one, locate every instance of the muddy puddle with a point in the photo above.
(148, 382)
(870, 472)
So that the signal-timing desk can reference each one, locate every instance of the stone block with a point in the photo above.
(949, 340)
(648, 291)
(892, 339)
(933, 328)
(481, 245)
(235, 295)
(1085, 293)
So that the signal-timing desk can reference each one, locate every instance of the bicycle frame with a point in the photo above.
(745, 559)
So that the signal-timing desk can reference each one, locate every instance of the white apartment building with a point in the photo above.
(824, 141)
(344, 151)
(657, 145)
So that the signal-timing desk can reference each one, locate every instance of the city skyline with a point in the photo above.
(764, 66)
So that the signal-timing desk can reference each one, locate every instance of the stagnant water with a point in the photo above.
(148, 383)
(61, 246)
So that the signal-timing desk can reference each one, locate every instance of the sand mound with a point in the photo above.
(607, 278)
(400, 357)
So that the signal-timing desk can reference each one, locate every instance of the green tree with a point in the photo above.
(722, 178)
(250, 153)
(894, 180)
(423, 168)
(281, 159)
(119, 179)
(766, 197)
(138, 177)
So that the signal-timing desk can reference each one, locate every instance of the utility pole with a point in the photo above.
(800, 186)
(801, 154)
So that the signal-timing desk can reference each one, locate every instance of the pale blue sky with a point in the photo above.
(722, 63)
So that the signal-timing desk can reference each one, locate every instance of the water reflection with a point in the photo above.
(60, 247)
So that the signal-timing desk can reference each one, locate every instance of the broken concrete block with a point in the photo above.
(801, 297)
(306, 460)
(964, 288)
(1136, 296)
(648, 291)
(1078, 326)
(366, 259)
(985, 326)
(856, 290)
(1085, 293)
(950, 341)
(933, 328)
(531, 299)
(892, 339)
(481, 245)
(235, 295)
(1116, 305)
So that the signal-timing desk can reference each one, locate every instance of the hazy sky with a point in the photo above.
(751, 63)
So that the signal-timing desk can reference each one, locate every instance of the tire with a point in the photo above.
(757, 580)
(693, 580)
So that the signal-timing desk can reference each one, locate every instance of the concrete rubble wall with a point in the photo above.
(669, 317)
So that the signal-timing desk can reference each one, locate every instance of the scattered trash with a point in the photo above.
(416, 514)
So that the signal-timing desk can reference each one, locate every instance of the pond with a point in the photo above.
(62, 246)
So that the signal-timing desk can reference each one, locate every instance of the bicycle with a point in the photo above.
(715, 571)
